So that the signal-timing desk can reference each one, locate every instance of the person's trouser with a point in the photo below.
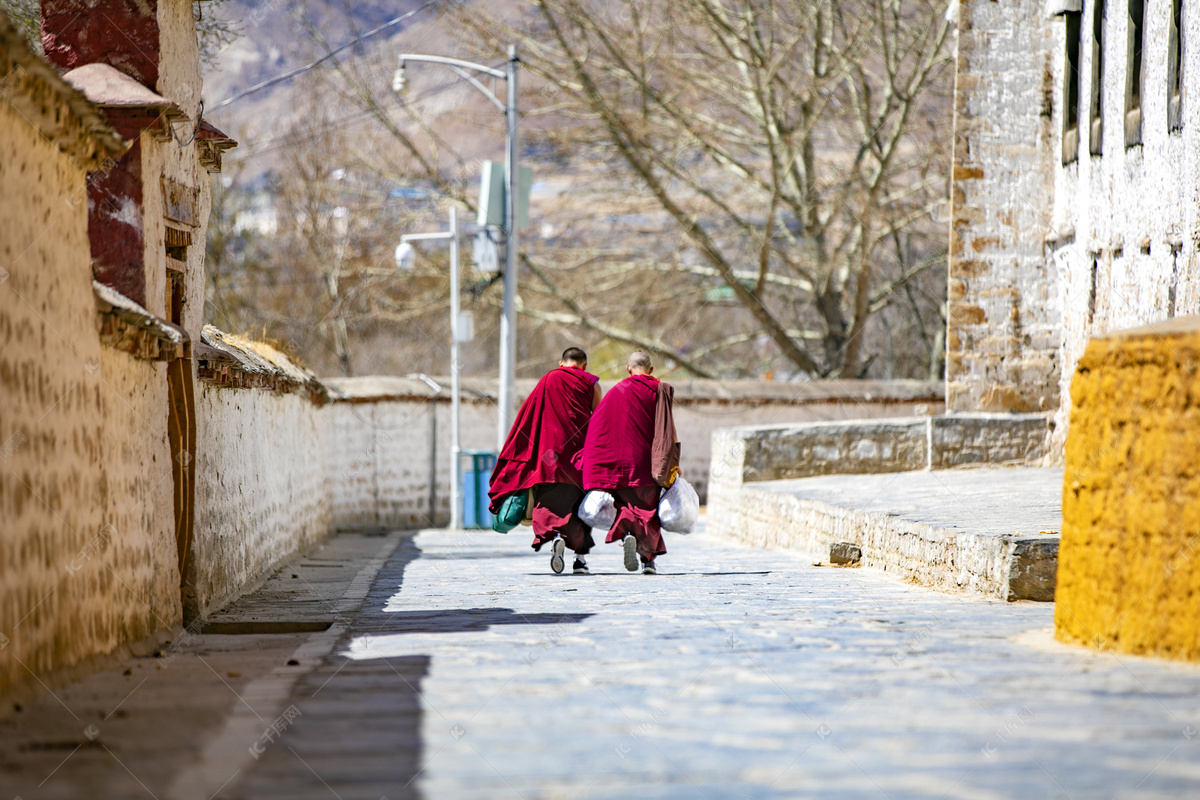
(554, 506)
(637, 514)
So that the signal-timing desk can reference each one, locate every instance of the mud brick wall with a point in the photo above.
(378, 457)
(260, 489)
(1129, 563)
(87, 561)
(1002, 342)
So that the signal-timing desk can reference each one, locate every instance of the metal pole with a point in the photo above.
(508, 318)
(455, 447)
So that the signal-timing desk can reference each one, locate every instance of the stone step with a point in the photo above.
(993, 532)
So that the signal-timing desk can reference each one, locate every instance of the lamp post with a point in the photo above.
(455, 335)
(508, 314)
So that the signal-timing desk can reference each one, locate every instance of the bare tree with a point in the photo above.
(742, 189)
(789, 142)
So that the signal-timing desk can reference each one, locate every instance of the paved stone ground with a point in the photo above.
(979, 500)
(737, 673)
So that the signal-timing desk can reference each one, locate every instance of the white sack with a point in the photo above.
(679, 507)
(598, 510)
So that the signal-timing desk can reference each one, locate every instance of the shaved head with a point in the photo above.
(574, 355)
(639, 362)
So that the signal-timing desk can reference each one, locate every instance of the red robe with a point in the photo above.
(547, 435)
(620, 439)
(620, 456)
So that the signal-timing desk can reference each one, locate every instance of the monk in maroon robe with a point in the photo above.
(540, 454)
(632, 452)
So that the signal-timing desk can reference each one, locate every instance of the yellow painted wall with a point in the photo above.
(1129, 561)
(87, 549)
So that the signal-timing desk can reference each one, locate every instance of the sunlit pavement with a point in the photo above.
(470, 670)
(743, 673)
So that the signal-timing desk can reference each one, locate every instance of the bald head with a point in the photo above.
(639, 363)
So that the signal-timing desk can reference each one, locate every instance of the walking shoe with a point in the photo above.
(580, 567)
(631, 555)
(556, 555)
(648, 567)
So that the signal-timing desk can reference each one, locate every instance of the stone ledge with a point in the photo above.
(126, 326)
(228, 361)
(779, 452)
(949, 530)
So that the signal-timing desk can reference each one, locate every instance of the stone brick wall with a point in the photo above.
(780, 452)
(1129, 565)
(1003, 339)
(1125, 247)
(1008, 566)
(704, 407)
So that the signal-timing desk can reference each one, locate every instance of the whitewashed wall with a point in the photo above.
(378, 433)
(260, 489)
(1130, 213)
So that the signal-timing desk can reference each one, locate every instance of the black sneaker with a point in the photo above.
(648, 567)
(580, 567)
(629, 544)
(556, 555)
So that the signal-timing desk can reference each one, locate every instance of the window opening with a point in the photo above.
(1175, 68)
(1070, 142)
(1133, 73)
(1096, 134)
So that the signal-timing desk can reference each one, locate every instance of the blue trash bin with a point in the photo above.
(475, 474)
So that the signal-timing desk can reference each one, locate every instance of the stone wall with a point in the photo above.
(704, 407)
(1129, 571)
(1125, 221)
(779, 452)
(87, 563)
(752, 498)
(809, 516)
(1003, 338)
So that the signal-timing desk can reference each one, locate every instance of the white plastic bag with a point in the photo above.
(598, 510)
(679, 507)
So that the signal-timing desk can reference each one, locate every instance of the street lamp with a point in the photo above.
(404, 256)
(508, 313)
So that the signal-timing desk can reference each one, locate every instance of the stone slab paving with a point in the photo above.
(146, 729)
(737, 673)
(989, 501)
(468, 670)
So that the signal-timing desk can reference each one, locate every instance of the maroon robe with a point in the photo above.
(620, 456)
(547, 435)
(619, 440)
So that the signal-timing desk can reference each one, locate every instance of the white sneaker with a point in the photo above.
(557, 547)
(631, 555)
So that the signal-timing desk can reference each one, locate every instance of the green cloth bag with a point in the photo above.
(512, 512)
